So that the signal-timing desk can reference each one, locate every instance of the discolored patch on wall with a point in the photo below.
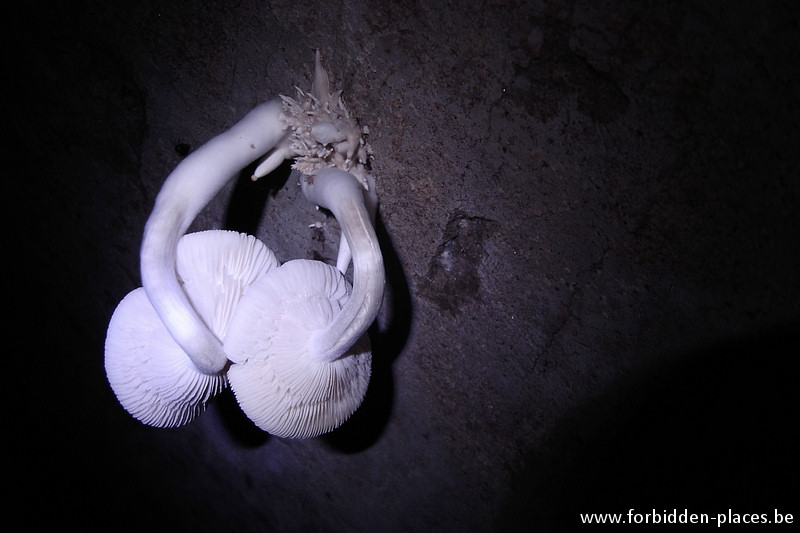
(453, 279)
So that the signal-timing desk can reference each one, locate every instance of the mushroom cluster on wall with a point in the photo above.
(216, 308)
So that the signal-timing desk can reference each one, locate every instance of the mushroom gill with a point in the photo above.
(150, 374)
(277, 378)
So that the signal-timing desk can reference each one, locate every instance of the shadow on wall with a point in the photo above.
(712, 432)
(248, 202)
(249, 198)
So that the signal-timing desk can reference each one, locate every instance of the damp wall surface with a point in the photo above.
(589, 218)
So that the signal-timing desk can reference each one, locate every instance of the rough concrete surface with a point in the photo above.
(589, 215)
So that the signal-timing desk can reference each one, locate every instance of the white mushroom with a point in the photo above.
(297, 333)
(298, 337)
(150, 374)
(279, 382)
(185, 192)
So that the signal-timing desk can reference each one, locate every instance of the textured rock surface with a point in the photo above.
(590, 219)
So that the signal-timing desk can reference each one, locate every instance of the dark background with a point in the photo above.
(589, 213)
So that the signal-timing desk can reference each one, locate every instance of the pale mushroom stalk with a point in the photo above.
(371, 203)
(342, 194)
(186, 191)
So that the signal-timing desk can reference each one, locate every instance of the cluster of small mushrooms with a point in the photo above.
(216, 308)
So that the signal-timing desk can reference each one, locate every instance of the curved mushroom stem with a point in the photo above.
(273, 159)
(371, 203)
(340, 192)
(188, 189)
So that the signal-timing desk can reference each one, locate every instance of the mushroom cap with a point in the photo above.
(215, 267)
(277, 381)
(151, 376)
